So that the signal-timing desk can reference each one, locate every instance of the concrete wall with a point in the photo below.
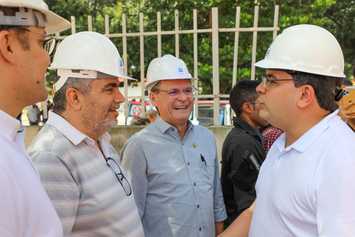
(121, 133)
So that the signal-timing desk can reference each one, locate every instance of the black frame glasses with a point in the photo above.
(116, 169)
(49, 43)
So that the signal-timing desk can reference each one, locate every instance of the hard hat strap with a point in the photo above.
(23, 17)
(64, 74)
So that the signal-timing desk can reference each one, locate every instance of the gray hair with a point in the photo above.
(153, 87)
(81, 84)
(60, 100)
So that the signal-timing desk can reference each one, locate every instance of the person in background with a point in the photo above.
(140, 121)
(33, 115)
(73, 154)
(152, 115)
(269, 136)
(173, 163)
(147, 118)
(347, 82)
(345, 98)
(48, 107)
(242, 151)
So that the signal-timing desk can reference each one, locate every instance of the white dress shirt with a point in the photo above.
(25, 209)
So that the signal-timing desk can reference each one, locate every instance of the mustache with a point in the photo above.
(115, 107)
(258, 101)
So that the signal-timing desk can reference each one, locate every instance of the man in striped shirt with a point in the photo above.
(78, 166)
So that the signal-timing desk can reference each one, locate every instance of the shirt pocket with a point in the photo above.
(206, 173)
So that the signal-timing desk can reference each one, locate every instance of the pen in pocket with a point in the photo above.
(203, 160)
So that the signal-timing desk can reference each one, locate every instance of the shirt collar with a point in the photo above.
(68, 130)
(247, 128)
(307, 139)
(163, 126)
(9, 126)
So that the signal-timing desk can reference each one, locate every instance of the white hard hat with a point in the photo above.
(84, 55)
(166, 67)
(54, 23)
(305, 48)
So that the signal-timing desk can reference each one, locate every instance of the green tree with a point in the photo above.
(335, 15)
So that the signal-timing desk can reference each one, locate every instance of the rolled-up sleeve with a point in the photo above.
(134, 161)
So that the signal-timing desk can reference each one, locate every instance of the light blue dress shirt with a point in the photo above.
(175, 182)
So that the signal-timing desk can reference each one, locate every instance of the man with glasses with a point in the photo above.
(242, 152)
(77, 164)
(173, 163)
(24, 24)
(305, 186)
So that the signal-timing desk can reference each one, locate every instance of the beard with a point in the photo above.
(104, 125)
(96, 123)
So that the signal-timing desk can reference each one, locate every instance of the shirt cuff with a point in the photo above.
(220, 214)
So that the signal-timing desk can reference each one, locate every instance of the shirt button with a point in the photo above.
(198, 206)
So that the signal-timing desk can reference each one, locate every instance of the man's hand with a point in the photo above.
(219, 227)
(240, 226)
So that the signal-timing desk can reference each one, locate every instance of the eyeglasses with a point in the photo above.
(189, 91)
(119, 175)
(269, 81)
(49, 43)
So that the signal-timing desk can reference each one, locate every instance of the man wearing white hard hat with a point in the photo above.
(305, 185)
(78, 165)
(173, 163)
(25, 207)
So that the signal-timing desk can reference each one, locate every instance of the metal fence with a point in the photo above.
(214, 31)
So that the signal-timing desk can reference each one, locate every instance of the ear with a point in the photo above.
(152, 97)
(74, 99)
(306, 97)
(7, 43)
(247, 108)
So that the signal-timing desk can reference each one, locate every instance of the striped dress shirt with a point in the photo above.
(84, 190)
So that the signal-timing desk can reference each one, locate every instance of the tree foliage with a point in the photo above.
(336, 16)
